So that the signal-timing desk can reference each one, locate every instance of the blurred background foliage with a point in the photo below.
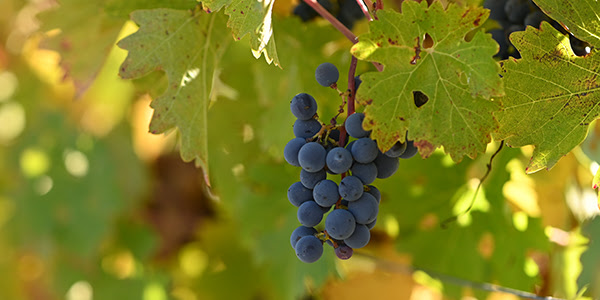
(92, 206)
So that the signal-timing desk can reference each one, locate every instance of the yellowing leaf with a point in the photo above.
(581, 17)
(88, 30)
(423, 49)
(250, 17)
(551, 96)
(187, 46)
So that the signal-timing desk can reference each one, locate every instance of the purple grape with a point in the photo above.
(365, 172)
(339, 160)
(310, 179)
(351, 188)
(364, 150)
(303, 106)
(310, 214)
(327, 74)
(386, 166)
(340, 224)
(343, 252)
(312, 157)
(298, 194)
(306, 128)
(354, 127)
(411, 150)
(326, 193)
(309, 249)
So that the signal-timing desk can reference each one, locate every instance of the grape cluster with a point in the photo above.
(346, 11)
(515, 15)
(349, 208)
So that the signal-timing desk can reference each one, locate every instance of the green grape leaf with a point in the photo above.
(82, 24)
(187, 46)
(250, 17)
(424, 50)
(434, 190)
(581, 17)
(85, 23)
(551, 96)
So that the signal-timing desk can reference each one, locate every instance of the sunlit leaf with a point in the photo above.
(423, 50)
(551, 96)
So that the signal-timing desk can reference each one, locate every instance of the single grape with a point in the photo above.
(359, 238)
(310, 179)
(354, 127)
(298, 194)
(340, 224)
(312, 157)
(306, 128)
(300, 232)
(310, 214)
(326, 193)
(396, 150)
(364, 209)
(339, 160)
(303, 106)
(351, 188)
(365, 172)
(411, 150)
(386, 166)
(327, 74)
(290, 152)
(309, 249)
(375, 192)
(343, 252)
(364, 150)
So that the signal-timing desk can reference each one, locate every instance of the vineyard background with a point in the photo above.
(93, 206)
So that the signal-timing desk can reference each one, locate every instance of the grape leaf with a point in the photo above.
(86, 23)
(82, 24)
(250, 17)
(580, 17)
(187, 46)
(551, 96)
(423, 49)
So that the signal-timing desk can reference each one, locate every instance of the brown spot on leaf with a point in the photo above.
(417, 52)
